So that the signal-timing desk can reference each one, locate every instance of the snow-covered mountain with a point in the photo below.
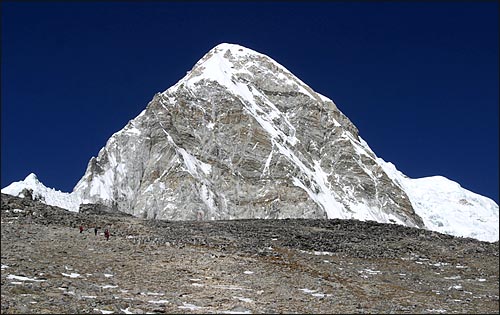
(446, 207)
(32, 188)
(241, 137)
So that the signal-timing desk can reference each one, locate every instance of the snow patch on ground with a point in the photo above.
(23, 278)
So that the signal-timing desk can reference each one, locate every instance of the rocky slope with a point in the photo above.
(237, 266)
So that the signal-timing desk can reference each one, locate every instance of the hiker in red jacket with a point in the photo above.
(81, 229)
(106, 234)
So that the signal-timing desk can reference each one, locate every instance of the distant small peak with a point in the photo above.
(31, 178)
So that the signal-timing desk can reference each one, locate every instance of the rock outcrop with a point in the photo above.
(98, 209)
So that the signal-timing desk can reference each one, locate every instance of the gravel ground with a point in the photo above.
(239, 266)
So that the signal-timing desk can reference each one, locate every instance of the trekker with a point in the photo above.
(95, 230)
(81, 229)
(106, 234)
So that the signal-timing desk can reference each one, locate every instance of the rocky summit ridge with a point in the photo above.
(241, 137)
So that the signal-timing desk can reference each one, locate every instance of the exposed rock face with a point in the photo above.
(241, 137)
(27, 193)
(95, 208)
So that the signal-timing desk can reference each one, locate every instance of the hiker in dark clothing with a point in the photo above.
(95, 230)
(81, 229)
(106, 234)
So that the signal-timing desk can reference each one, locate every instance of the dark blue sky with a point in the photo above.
(418, 79)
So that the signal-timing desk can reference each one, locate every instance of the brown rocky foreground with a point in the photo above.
(241, 266)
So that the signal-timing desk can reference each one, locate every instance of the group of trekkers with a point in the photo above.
(106, 231)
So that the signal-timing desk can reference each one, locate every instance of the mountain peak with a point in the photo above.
(237, 69)
(39, 191)
(240, 136)
(223, 64)
(31, 178)
(234, 48)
